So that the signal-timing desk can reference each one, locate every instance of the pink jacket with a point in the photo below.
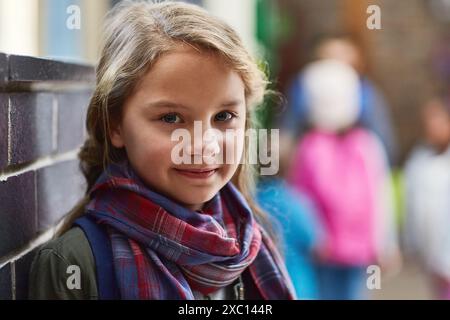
(344, 176)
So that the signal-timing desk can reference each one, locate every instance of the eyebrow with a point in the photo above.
(173, 105)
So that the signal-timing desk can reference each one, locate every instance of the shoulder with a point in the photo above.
(365, 135)
(370, 144)
(418, 158)
(72, 246)
(419, 153)
(58, 262)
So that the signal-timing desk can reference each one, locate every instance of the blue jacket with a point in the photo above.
(293, 218)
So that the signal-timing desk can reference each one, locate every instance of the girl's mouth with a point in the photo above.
(197, 173)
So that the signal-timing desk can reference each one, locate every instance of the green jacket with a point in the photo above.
(50, 272)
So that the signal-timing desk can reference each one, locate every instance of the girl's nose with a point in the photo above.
(211, 145)
(206, 147)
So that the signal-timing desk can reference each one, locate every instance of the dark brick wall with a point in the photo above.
(18, 212)
(43, 106)
(5, 283)
(3, 129)
(3, 68)
(31, 126)
(52, 204)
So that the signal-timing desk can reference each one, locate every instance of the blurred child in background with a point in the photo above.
(293, 214)
(343, 169)
(427, 184)
(374, 112)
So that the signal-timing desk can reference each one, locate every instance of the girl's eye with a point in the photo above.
(224, 116)
(170, 118)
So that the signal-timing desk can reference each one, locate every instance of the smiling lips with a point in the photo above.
(197, 173)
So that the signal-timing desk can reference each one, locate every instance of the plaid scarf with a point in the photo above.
(162, 250)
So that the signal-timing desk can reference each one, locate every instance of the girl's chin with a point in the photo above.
(195, 203)
(188, 195)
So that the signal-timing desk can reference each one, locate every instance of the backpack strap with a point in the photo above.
(102, 252)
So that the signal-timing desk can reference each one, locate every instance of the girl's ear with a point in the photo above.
(116, 136)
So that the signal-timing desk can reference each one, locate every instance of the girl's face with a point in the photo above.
(184, 86)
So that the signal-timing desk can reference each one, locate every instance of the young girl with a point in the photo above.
(149, 227)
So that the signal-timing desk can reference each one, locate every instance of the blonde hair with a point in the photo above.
(136, 34)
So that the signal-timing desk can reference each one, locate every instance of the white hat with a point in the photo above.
(332, 92)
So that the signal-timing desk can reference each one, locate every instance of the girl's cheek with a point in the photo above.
(148, 141)
(233, 148)
(160, 148)
(161, 152)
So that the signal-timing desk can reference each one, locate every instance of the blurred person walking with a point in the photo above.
(427, 196)
(343, 169)
(295, 220)
(374, 111)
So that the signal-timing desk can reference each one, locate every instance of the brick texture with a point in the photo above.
(3, 68)
(31, 126)
(5, 283)
(56, 193)
(27, 69)
(3, 130)
(18, 212)
(72, 107)
(43, 106)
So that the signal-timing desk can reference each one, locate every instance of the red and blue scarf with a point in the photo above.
(162, 250)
